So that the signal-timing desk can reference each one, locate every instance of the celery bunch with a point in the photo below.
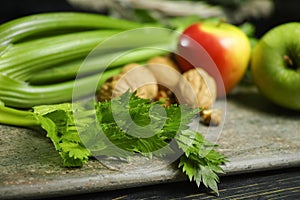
(40, 55)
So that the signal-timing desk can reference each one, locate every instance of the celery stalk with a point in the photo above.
(46, 24)
(26, 58)
(22, 95)
(21, 60)
(69, 70)
(11, 116)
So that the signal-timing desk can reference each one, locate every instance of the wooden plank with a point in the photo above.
(256, 136)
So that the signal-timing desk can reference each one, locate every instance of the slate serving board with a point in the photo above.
(256, 136)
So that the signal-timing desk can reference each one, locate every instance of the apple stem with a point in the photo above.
(221, 21)
(288, 60)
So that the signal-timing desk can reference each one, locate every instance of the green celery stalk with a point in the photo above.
(14, 117)
(69, 70)
(45, 24)
(22, 95)
(23, 59)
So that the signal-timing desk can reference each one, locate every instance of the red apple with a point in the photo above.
(221, 49)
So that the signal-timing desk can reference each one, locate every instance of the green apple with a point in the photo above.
(227, 46)
(275, 65)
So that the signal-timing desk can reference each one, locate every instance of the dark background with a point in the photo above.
(285, 11)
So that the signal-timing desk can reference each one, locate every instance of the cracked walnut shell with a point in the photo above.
(130, 79)
(198, 88)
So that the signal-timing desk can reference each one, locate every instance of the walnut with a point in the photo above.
(165, 95)
(165, 71)
(211, 117)
(198, 88)
(128, 67)
(105, 92)
(167, 75)
(133, 77)
(163, 60)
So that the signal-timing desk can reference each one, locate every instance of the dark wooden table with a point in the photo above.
(277, 184)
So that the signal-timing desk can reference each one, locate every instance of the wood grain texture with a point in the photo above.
(271, 185)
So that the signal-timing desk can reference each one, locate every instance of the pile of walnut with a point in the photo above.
(160, 80)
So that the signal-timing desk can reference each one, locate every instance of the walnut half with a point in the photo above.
(133, 77)
(198, 88)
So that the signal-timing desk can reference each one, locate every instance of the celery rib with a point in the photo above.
(24, 59)
(44, 23)
(21, 95)
(34, 56)
(11, 116)
(93, 65)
